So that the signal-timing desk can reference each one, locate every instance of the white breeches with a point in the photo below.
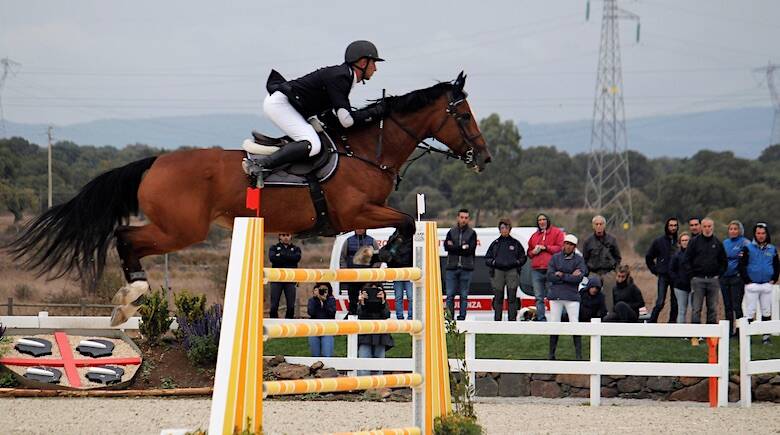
(761, 293)
(572, 309)
(279, 110)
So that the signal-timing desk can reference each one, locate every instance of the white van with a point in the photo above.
(480, 293)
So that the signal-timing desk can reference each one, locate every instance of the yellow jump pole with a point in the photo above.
(342, 327)
(329, 385)
(237, 402)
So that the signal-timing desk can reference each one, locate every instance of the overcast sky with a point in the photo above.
(528, 60)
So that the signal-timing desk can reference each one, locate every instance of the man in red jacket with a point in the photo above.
(543, 244)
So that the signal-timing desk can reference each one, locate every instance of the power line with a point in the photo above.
(770, 71)
(9, 68)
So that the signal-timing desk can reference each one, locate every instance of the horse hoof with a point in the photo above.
(130, 292)
(118, 316)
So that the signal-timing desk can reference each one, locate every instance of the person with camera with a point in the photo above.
(372, 305)
(322, 305)
(347, 261)
(283, 255)
(504, 258)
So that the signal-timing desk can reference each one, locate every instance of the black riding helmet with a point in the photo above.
(360, 49)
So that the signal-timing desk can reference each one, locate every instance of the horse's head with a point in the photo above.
(458, 128)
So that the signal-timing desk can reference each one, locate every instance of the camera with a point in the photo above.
(323, 291)
(372, 295)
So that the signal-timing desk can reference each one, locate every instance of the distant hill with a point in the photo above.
(744, 131)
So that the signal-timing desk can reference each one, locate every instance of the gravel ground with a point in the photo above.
(498, 416)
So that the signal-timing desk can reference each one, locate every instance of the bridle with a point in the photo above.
(462, 120)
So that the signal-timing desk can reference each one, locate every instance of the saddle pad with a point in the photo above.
(282, 178)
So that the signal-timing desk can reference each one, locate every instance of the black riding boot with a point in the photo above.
(289, 153)
(553, 345)
(577, 346)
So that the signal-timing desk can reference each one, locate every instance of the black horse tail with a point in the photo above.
(73, 238)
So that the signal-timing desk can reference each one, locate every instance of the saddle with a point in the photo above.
(320, 166)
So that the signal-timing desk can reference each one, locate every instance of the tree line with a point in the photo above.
(519, 179)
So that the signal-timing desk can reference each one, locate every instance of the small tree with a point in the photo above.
(155, 319)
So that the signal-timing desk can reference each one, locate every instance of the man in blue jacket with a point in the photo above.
(760, 269)
(731, 285)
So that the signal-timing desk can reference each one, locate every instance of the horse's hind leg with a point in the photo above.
(134, 243)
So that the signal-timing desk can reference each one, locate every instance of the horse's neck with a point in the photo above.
(400, 136)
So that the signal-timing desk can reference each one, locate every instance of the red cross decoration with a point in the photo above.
(68, 362)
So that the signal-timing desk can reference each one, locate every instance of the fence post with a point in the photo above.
(470, 354)
(10, 306)
(595, 359)
(723, 363)
(82, 306)
(352, 346)
(745, 387)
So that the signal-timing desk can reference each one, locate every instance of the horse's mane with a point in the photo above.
(415, 100)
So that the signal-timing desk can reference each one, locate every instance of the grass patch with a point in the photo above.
(499, 346)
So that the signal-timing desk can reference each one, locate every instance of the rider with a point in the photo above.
(290, 103)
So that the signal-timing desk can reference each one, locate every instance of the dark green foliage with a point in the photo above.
(155, 320)
(456, 425)
(7, 380)
(188, 306)
(203, 351)
(200, 336)
(460, 385)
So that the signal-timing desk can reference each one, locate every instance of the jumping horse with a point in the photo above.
(183, 192)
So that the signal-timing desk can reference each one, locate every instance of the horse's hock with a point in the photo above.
(237, 402)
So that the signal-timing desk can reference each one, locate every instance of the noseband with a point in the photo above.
(462, 120)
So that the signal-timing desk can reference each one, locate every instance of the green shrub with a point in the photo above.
(189, 306)
(456, 425)
(155, 320)
(203, 351)
(7, 380)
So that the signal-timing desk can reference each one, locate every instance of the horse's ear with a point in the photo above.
(460, 81)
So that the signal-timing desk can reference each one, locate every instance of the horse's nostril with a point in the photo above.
(488, 159)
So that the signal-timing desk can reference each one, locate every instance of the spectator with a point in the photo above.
(681, 278)
(543, 244)
(504, 258)
(565, 271)
(460, 244)
(694, 226)
(731, 286)
(372, 305)
(351, 246)
(283, 254)
(322, 305)
(628, 298)
(657, 259)
(759, 267)
(592, 304)
(706, 259)
(402, 258)
(602, 256)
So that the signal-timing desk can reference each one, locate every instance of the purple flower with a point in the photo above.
(207, 326)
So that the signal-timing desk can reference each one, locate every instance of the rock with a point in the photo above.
(290, 371)
(688, 381)
(764, 377)
(733, 392)
(754, 383)
(616, 377)
(775, 380)
(637, 395)
(763, 392)
(378, 394)
(481, 374)
(514, 385)
(317, 366)
(486, 387)
(776, 392)
(734, 379)
(607, 380)
(609, 392)
(545, 389)
(275, 361)
(542, 377)
(695, 393)
(328, 372)
(580, 392)
(629, 385)
(660, 383)
(579, 381)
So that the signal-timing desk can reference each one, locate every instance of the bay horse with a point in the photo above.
(181, 193)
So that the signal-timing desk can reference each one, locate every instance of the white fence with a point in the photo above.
(593, 367)
(748, 367)
(44, 321)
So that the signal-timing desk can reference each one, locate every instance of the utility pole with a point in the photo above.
(48, 133)
(608, 185)
(774, 94)
(9, 67)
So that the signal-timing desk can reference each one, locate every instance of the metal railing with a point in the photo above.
(82, 306)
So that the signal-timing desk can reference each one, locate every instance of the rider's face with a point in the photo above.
(370, 67)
